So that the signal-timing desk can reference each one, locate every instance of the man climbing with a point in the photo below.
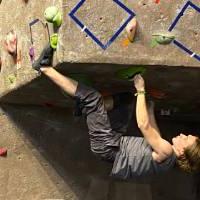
(131, 156)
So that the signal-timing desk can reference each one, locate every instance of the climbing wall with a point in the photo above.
(93, 42)
(92, 20)
(94, 33)
(26, 19)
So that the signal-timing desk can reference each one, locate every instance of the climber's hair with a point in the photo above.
(190, 160)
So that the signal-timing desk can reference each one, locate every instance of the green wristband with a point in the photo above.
(140, 92)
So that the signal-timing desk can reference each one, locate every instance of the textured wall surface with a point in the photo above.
(16, 15)
(39, 138)
(103, 18)
(49, 158)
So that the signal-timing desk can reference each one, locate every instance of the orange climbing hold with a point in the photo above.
(125, 42)
(131, 29)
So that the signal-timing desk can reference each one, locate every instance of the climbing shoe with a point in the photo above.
(45, 59)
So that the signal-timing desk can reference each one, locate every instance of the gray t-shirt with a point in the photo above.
(134, 159)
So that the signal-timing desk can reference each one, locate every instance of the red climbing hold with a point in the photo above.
(157, 1)
(3, 152)
(157, 93)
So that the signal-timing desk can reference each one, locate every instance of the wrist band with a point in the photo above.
(140, 92)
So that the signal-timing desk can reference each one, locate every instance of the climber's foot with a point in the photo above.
(45, 59)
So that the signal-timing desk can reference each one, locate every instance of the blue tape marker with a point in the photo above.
(77, 7)
(179, 16)
(124, 7)
(176, 42)
(77, 21)
(120, 29)
(180, 45)
(194, 6)
(89, 33)
(197, 57)
(184, 48)
(33, 22)
(95, 38)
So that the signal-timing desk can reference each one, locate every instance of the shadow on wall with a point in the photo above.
(172, 88)
(63, 141)
(40, 91)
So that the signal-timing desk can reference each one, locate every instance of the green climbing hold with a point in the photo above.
(54, 40)
(50, 13)
(53, 15)
(11, 78)
(163, 38)
(130, 72)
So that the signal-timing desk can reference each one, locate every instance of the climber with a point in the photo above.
(131, 156)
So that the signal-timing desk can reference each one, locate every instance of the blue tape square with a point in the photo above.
(90, 34)
(174, 23)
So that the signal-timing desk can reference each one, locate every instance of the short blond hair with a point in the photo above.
(190, 161)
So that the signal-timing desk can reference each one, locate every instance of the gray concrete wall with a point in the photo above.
(103, 18)
(49, 158)
(16, 15)
(73, 172)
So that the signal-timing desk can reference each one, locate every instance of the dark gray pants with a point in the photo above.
(105, 129)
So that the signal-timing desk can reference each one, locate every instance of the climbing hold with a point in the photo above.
(11, 43)
(54, 40)
(131, 29)
(157, 1)
(3, 152)
(157, 93)
(53, 15)
(165, 112)
(125, 42)
(130, 72)
(163, 38)
(49, 104)
(32, 53)
(153, 42)
(11, 78)
(32, 50)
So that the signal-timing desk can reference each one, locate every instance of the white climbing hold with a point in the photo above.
(11, 42)
(131, 29)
